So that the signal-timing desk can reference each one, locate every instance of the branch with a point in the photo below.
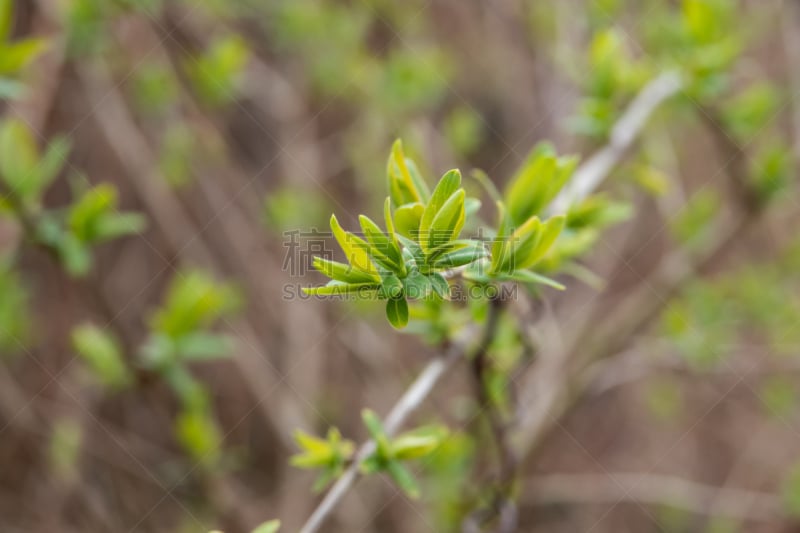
(595, 169)
(586, 178)
(408, 403)
(657, 490)
(551, 385)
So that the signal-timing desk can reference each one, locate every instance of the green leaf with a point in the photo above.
(407, 219)
(6, 19)
(194, 300)
(418, 443)
(101, 352)
(85, 213)
(200, 436)
(403, 478)
(15, 316)
(550, 232)
(158, 352)
(76, 257)
(597, 211)
(19, 157)
(66, 444)
(447, 223)
(446, 187)
(391, 286)
(202, 346)
(216, 74)
(418, 180)
(268, 527)
(353, 248)
(404, 188)
(330, 453)
(537, 183)
(440, 285)
(397, 312)
(342, 272)
(381, 248)
(519, 245)
(376, 432)
(52, 162)
(336, 288)
(15, 56)
(462, 256)
(526, 276)
(528, 244)
(93, 219)
(499, 246)
(114, 225)
(417, 286)
(750, 111)
(387, 219)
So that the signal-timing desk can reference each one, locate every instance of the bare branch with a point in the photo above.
(408, 403)
(654, 489)
(592, 172)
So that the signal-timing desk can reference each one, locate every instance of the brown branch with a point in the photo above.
(654, 489)
(503, 506)
(408, 403)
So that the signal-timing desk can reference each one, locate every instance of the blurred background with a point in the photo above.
(226, 132)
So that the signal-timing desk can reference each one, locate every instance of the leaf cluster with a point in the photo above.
(422, 247)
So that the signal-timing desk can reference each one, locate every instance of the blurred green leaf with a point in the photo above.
(537, 183)
(15, 317)
(216, 73)
(268, 527)
(194, 300)
(198, 433)
(403, 478)
(101, 352)
(464, 130)
(749, 112)
(93, 217)
(15, 56)
(418, 443)
(329, 455)
(65, 448)
(791, 492)
(692, 225)
(203, 346)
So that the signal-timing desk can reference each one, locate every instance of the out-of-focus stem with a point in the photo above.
(408, 403)
(627, 129)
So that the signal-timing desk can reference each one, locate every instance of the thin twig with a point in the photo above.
(502, 506)
(592, 173)
(408, 403)
(654, 489)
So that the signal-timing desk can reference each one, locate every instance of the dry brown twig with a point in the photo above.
(653, 489)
